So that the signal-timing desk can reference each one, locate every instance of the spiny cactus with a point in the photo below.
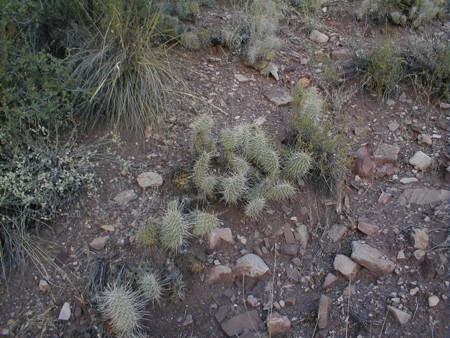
(124, 308)
(208, 185)
(297, 165)
(228, 140)
(243, 135)
(201, 167)
(190, 40)
(240, 165)
(176, 286)
(204, 223)
(174, 228)
(269, 162)
(233, 188)
(202, 136)
(280, 191)
(312, 103)
(151, 286)
(148, 234)
(255, 207)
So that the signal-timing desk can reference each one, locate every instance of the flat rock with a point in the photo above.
(279, 97)
(337, 232)
(278, 324)
(65, 312)
(433, 301)
(363, 165)
(393, 126)
(348, 268)
(384, 198)
(241, 78)
(220, 274)
(423, 196)
(425, 140)
(302, 235)
(318, 37)
(150, 180)
(325, 303)
(250, 265)
(293, 275)
(217, 235)
(367, 228)
(401, 316)
(242, 323)
(99, 243)
(420, 238)
(125, 197)
(330, 279)
(386, 153)
(371, 258)
(289, 249)
(188, 321)
(288, 235)
(420, 161)
(221, 313)
(341, 54)
(408, 180)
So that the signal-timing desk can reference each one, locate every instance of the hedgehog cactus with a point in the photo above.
(233, 188)
(201, 167)
(202, 137)
(124, 308)
(279, 192)
(148, 234)
(297, 165)
(204, 223)
(174, 228)
(255, 207)
(150, 285)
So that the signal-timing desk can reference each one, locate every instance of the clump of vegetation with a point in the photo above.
(151, 286)
(124, 308)
(202, 135)
(249, 168)
(148, 234)
(175, 285)
(174, 228)
(401, 12)
(309, 11)
(203, 223)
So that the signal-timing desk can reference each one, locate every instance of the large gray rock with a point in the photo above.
(420, 161)
(348, 268)
(242, 323)
(150, 180)
(250, 265)
(125, 197)
(386, 153)
(423, 196)
(318, 37)
(371, 258)
(279, 97)
(278, 324)
(65, 312)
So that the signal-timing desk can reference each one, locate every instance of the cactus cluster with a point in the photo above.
(151, 286)
(174, 228)
(202, 136)
(148, 234)
(254, 171)
(203, 223)
(124, 308)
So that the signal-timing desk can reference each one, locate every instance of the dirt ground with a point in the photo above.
(294, 283)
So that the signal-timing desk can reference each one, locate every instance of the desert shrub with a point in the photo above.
(401, 12)
(309, 11)
(182, 9)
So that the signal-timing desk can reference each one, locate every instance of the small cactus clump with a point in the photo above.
(204, 223)
(311, 102)
(176, 286)
(148, 234)
(174, 228)
(280, 191)
(124, 308)
(255, 207)
(233, 188)
(208, 185)
(240, 165)
(269, 162)
(201, 167)
(202, 136)
(297, 165)
(151, 286)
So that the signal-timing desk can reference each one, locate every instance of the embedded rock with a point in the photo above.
(420, 161)
(371, 258)
(348, 268)
(386, 153)
(125, 197)
(421, 238)
(423, 196)
(325, 303)
(150, 180)
(220, 274)
(278, 324)
(401, 316)
(318, 37)
(218, 235)
(250, 265)
(242, 323)
(279, 97)
(99, 243)
(367, 228)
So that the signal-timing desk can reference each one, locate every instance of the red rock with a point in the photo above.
(367, 228)
(242, 323)
(348, 268)
(337, 232)
(99, 243)
(384, 198)
(363, 164)
(288, 235)
(371, 258)
(218, 235)
(325, 303)
(278, 324)
(330, 279)
(220, 274)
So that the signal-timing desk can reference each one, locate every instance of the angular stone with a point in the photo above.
(279, 97)
(401, 316)
(293, 274)
(188, 321)
(367, 228)
(420, 238)
(65, 312)
(419, 254)
(221, 313)
(217, 235)
(337, 232)
(220, 274)
(371, 258)
(302, 235)
(241, 78)
(252, 301)
(423, 196)
(386, 153)
(433, 301)
(408, 180)
(289, 249)
(288, 235)
(250, 265)
(425, 140)
(108, 227)
(43, 285)
(330, 279)
(278, 324)
(318, 37)
(387, 169)
(125, 197)
(384, 198)
(363, 165)
(325, 303)
(99, 243)
(150, 180)
(348, 268)
(420, 161)
(242, 323)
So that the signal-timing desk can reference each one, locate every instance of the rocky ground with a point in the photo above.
(373, 261)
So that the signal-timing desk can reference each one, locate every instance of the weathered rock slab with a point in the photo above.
(348, 268)
(242, 323)
(279, 97)
(220, 274)
(150, 180)
(278, 324)
(371, 258)
(423, 196)
(250, 265)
